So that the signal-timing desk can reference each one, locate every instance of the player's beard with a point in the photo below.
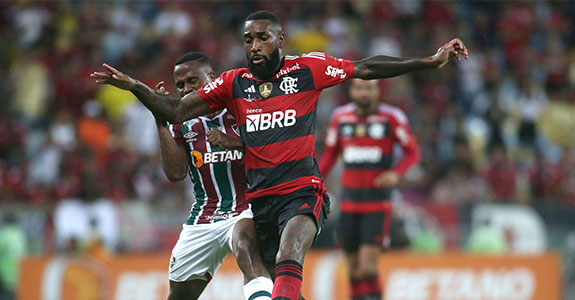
(268, 68)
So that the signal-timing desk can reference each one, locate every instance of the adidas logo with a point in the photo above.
(304, 206)
(251, 89)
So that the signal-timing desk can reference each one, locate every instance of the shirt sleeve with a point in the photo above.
(176, 130)
(332, 148)
(402, 135)
(218, 93)
(328, 71)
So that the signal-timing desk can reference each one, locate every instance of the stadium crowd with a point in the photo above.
(500, 129)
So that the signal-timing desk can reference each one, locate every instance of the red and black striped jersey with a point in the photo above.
(277, 119)
(366, 146)
(218, 174)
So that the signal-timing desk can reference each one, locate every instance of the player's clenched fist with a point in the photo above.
(114, 77)
(218, 138)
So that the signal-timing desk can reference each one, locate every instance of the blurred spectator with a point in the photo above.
(32, 85)
(500, 175)
(13, 247)
(460, 185)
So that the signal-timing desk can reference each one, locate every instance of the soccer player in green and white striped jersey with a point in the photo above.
(210, 151)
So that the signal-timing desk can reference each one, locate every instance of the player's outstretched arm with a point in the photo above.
(378, 67)
(173, 110)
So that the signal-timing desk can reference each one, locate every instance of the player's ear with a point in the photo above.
(212, 76)
(281, 39)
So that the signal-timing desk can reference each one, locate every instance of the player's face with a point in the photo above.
(364, 93)
(262, 44)
(190, 76)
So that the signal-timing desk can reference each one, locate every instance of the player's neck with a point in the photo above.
(365, 112)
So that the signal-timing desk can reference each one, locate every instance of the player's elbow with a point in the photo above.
(175, 176)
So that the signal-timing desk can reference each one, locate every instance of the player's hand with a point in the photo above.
(115, 78)
(454, 49)
(217, 138)
(161, 89)
(386, 179)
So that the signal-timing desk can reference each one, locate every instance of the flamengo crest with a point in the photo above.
(289, 85)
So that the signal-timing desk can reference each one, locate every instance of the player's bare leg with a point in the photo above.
(257, 281)
(296, 239)
(187, 290)
(363, 272)
(368, 258)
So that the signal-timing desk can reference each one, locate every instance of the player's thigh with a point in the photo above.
(300, 220)
(246, 250)
(296, 238)
(349, 232)
(198, 253)
(187, 290)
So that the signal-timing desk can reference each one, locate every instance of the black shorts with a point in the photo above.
(272, 213)
(364, 229)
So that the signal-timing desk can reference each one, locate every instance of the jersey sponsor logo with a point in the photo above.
(347, 130)
(289, 85)
(266, 89)
(253, 110)
(358, 155)
(210, 86)
(265, 121)
(197, 158)
(335, 72)
(200, 159)
(285, 71)
(376, 131)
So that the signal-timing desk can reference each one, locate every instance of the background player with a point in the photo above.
(220, 219)
(274, 103)
(364, 133)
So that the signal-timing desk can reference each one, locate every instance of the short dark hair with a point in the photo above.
(194, 56)
(265, 15)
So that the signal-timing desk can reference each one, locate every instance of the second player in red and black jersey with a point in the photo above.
(365, 134)
(366, 145)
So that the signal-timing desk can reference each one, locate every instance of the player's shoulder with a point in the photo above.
(393, 112)
(344, 110)
(237, 72)
(307, 58)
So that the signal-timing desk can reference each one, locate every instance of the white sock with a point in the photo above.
(259, 288)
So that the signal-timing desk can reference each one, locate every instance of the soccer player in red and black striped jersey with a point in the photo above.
(274, 102)
(364, 134)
